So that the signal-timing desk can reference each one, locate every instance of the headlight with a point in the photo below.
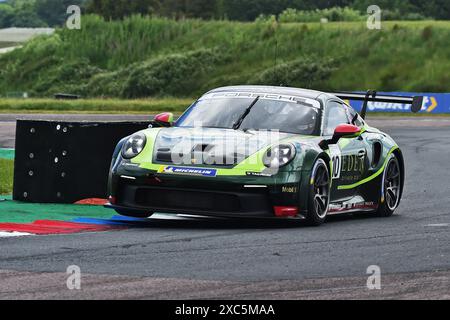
(134, 146)
(279, 156)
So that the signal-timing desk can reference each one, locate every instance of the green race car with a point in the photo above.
(257, 151)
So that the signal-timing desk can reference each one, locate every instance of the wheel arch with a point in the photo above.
(325, 157)
(312, 157)
(306, 176)
(398, 153)
(312, 217)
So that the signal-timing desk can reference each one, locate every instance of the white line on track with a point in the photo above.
(13, 234)
(436, 225)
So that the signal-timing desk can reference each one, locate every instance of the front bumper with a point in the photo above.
(145, 192)
(141, 199)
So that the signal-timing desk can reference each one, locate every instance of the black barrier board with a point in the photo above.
(64, 162)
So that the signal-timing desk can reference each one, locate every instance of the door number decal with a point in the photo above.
(336, 159)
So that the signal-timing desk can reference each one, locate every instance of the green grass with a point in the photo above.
(142, 57)
(94, 105)
(6, 176)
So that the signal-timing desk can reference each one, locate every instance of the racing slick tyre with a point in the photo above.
(134, 215)
(390, 188)
(319, 194)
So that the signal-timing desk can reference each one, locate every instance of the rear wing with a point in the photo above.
(372, 96)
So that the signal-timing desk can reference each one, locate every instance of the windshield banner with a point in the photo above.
(433, 103)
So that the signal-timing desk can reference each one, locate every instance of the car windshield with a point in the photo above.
(265, 114)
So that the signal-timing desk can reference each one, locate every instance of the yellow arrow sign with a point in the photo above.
(434, 104)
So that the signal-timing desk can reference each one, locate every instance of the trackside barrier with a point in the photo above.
(64, 162)
(434, 103)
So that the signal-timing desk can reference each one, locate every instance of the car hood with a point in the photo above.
(199, 146)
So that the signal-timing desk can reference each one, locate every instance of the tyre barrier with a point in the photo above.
(65, 162)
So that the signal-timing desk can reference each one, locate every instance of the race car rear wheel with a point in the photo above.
(390, 188)
(319, 194)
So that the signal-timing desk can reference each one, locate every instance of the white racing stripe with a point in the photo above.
(14, 234)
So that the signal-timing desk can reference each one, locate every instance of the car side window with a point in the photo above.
(358, 120)
(336, 114)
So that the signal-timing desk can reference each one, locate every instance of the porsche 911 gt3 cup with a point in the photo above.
(257, 151)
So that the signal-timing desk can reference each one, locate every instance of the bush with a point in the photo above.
(170, 75)
(391, 15)
(332, 14)
(67, 77)
(427, 33)
(25, 67)
(303, 73)
(108, 84)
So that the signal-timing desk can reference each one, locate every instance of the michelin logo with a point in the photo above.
(189, 171)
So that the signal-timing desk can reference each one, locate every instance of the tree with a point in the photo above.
(203, 9)
(6, 15)
(438, 9)
(248, 10)
(119, 9)
(54, 12)
(25, 15)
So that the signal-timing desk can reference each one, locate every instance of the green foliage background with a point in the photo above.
(40, 13)
(143, 57)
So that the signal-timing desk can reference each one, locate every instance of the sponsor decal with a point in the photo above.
(343, 207)
(202, 172)
(433, 103)
(129, 164)
(352, 168)
(352, 163)
(345, 167)
(289, 189)
(258, 174)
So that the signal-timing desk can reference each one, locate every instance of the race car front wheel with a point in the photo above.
(319, 194)
(390, 188)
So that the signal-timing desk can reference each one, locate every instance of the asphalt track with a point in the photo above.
(176, 259)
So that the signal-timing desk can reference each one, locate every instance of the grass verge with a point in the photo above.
(139, 106)
(6, 176)
(176, 105)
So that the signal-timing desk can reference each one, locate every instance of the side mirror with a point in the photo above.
(345, 130)
(163, 120)
(342, 131)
